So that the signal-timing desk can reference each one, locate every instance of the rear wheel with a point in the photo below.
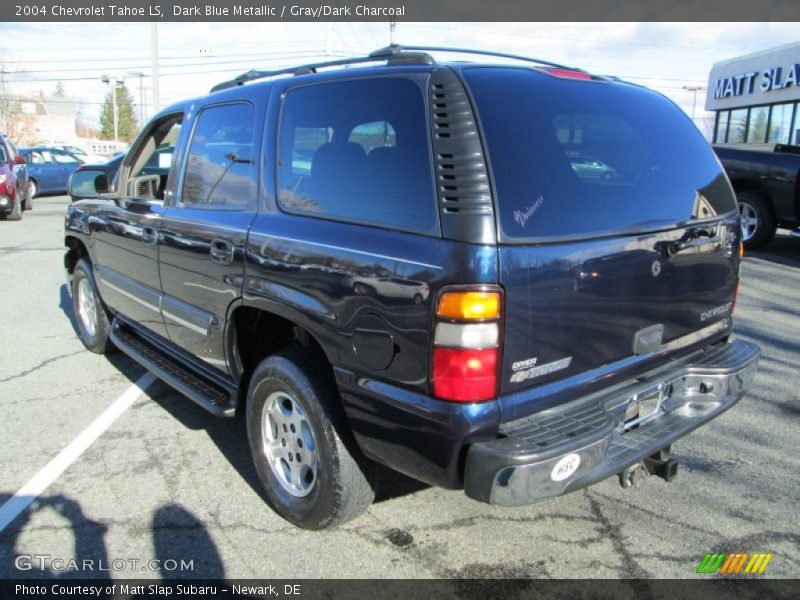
(312, 473)
(94, 325)
(758, 223)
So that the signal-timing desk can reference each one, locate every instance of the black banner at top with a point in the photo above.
(399, 10)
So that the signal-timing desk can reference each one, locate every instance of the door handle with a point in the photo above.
(221, 252)
(149, 236)
(693, 239)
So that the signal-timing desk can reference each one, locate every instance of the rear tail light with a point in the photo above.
(466, 346)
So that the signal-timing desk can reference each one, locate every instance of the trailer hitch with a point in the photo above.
(659, 464)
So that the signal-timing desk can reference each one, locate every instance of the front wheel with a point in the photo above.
(312, 473)
(93, 322)
(758, 224)
(33, 189)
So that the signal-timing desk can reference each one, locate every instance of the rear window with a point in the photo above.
(582, 158)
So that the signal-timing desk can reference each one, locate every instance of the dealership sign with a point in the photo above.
(776, 78)
(767, 77)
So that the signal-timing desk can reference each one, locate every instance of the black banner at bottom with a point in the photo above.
(405, 589)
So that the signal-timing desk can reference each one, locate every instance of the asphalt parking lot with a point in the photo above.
(168, 481)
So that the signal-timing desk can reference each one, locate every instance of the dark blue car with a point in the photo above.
(48, 169)
(400, 264)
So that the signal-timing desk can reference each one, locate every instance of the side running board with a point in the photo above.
(216, 397)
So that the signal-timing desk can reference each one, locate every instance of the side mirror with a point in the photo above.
(87, 184)
(19, 159)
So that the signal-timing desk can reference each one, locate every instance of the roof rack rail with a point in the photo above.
(396, 48)
(392, 54)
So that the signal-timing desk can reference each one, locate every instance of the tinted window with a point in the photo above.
(358, 151)
(577, 158)
(219, 163)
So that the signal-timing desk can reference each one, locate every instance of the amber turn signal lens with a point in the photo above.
(469, 305)
(741, 250)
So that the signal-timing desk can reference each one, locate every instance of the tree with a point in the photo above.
(60, 91)
(126, 118)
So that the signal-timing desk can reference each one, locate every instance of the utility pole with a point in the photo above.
(140, 75)
(154, 63)
(695, 89)
(392, 27)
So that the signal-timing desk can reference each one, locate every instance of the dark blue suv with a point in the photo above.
(407, 263)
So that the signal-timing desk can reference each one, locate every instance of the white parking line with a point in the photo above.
(42, 480)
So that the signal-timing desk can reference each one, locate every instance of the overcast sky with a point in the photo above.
(195, 56)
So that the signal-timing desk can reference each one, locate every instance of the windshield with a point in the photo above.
(576, 158)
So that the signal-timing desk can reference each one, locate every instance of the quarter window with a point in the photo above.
(358, 151)
(220, 164)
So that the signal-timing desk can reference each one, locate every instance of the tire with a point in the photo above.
(33, 189)
(16, 211)
(291, 405)
(91, 317)
(758, 222)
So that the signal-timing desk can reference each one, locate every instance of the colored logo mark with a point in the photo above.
(736, 563)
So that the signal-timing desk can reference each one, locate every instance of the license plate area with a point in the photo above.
(645, 406)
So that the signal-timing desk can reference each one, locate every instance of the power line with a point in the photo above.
(142, 58)
(209, 61)
(228, 70)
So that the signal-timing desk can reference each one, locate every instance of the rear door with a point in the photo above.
(43, 169)
(203, 232)
(617, 225)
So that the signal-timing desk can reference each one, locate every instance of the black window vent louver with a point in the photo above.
(462, 179)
